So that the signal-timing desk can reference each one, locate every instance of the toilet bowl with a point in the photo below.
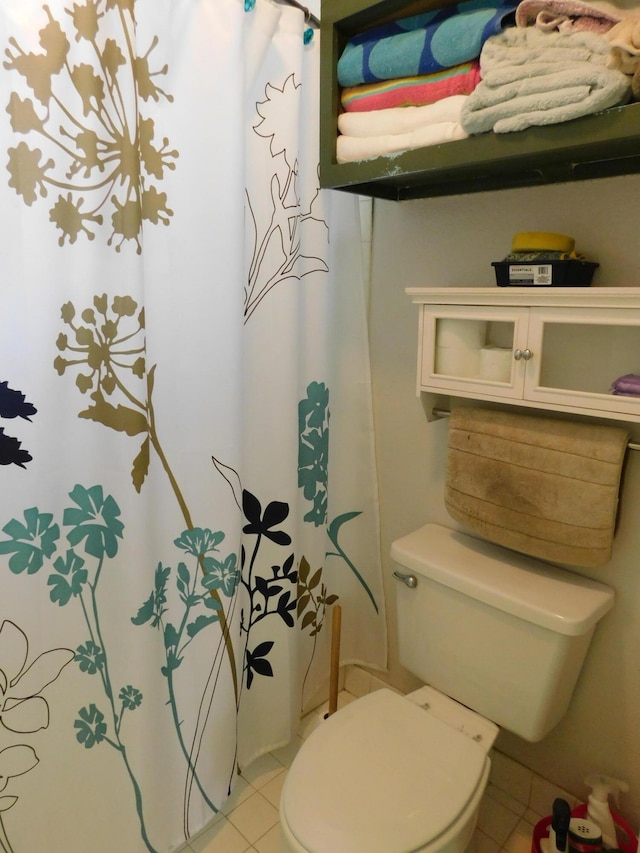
(388, 774)
(499, 638)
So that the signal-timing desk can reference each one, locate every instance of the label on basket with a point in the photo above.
(528, 274)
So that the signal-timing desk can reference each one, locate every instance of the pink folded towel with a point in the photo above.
(601, 14)
(412, 91)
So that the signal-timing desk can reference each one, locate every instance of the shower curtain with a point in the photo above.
(187, 479)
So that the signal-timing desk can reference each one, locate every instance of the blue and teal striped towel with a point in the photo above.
(422, 44)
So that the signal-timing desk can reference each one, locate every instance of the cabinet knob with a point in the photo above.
(526, 354)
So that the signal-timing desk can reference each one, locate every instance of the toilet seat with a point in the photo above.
(383, 776)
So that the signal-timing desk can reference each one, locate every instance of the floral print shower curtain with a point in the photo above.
(187, 479)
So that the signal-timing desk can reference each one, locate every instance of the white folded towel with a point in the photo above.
(396, 120)
(353, 148)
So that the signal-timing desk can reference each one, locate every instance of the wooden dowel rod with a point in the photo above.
(334, 672)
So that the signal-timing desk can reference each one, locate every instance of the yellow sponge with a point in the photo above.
(540, 241)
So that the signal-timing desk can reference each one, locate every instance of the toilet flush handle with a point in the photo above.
(409, 580)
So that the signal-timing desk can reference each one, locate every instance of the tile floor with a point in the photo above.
(514, 802)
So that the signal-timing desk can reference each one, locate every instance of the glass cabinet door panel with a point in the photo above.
(472, 346)
(579, 359)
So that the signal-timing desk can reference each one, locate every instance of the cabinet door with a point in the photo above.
(469, 350)
(577, 353)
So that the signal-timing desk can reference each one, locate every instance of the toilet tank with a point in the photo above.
(502, 633)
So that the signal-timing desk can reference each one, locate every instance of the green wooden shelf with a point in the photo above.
(596, 146)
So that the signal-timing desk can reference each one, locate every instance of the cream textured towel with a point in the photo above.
(354, 148)
(396, 120)
(541, 486)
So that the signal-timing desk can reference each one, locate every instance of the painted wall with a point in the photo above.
(451, 242)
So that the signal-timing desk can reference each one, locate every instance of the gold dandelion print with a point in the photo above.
(90, 152)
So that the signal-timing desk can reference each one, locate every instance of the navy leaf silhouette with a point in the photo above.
(13, 403)
(275, 512)
(10, 452)
(258, 663)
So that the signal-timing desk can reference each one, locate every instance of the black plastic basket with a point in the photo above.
(570, 273)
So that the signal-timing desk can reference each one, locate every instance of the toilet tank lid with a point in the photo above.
(554, 598)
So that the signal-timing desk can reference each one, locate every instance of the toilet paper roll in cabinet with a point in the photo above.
(461, 334)
(454, 361)
(495, 363)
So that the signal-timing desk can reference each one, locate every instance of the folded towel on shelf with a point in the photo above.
(401, 119)
(350, 149)
(549, 21)
(624, 41)
(412, 91)
(598, 15)
(545, 487)
(517, 47)
(421, 44)
(532, 78)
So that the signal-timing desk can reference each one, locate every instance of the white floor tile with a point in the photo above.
(272, 790)
(520, 839)
(286, 754)
(533, 817)
(511, 777)
(543, 794)
(495, 820)
(241, 790)
(506, 799)
(221, 838)
(269, 843)
(483, 844)
(262, 770)
(254, 817)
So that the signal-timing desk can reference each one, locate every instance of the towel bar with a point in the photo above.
(444, 413)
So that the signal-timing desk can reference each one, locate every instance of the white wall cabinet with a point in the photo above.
(558, 349)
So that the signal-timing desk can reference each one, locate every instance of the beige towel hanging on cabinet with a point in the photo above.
(541, 486)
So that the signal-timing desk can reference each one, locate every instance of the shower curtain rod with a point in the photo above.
(444, 413)
(309, 17)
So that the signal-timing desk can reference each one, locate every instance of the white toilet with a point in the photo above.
(503, 634)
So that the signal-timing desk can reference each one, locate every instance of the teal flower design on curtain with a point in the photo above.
(107, 346)
(93, 532)
(313, 450)
(313, 596)
(313, 472)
